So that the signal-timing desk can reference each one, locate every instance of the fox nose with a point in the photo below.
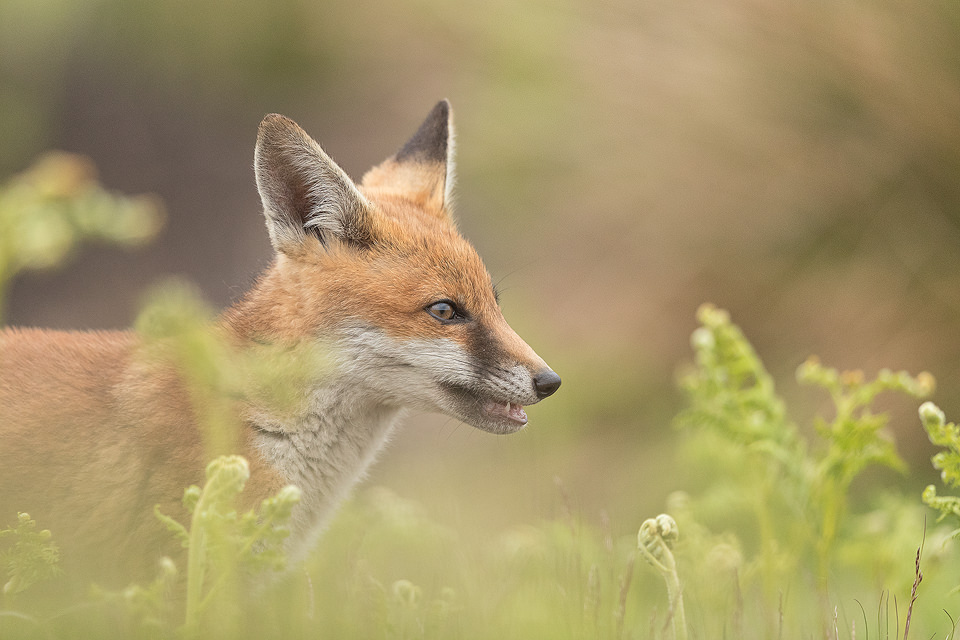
(546, 382)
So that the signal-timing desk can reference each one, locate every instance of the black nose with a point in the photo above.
(546, 382)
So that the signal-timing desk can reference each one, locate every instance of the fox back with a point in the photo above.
(376, 273)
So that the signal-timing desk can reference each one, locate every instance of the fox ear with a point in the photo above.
(423, 168)
(303, 191)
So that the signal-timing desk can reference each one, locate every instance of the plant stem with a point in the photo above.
(667, 566)
(196, 563)
(231, 567)
(675, 595)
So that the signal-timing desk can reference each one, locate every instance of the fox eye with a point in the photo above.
(445, 311)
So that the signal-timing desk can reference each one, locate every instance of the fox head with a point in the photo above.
(379, 271)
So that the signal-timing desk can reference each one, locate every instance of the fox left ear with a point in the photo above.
(304, 192)
(423, 168)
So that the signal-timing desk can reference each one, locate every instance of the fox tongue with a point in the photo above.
(511, 411)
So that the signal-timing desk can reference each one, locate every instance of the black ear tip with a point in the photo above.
(430, 141)
(439, 117)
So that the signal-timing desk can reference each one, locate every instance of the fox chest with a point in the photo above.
(325, 457)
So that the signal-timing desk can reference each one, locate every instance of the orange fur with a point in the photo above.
(92, 435)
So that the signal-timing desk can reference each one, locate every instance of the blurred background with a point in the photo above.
(619, 163)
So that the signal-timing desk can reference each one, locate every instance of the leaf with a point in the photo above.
(173, 526)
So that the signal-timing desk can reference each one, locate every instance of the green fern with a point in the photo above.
(30, 557)
(223, 543)
(795, 488)
(947, 435)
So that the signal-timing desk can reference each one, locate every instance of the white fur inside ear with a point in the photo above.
(302, 189)
(333, 198)
(451, 177)
(334, 202)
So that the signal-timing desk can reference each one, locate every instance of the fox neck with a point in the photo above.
(326, 452)
(326, 446)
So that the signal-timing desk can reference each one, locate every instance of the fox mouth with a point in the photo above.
(486, 412)
(510, 412)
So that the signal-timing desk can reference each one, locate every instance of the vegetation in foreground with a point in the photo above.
(780, 542)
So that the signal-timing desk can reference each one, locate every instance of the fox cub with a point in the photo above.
(91, 438)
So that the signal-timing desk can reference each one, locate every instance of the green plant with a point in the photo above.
(654, 540)
(387, 569)
(149, 608)
(852, 441)
(226, 549)
(178, 329)
(30, 556)
(221, 543)
(947, 435)
(795, 489)
(47, 210)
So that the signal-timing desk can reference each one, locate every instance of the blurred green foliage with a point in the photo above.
(28, 556)
(46, 211)
(144, 611)
(388, 568)
(222, 544)
(946, 435)
(767, 478)
(654, 540)
(178, 329)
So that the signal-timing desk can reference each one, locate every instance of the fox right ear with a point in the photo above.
(423, 168)
(304, 192)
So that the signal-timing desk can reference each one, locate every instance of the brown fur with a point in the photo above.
(71, 403)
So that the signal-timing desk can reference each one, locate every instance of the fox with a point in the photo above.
(377, 272)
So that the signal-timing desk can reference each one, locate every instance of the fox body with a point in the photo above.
(91, 438)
